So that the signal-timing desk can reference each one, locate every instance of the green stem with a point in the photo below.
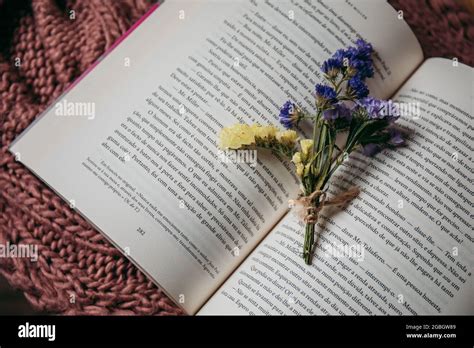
(308, 243)
(316, 129)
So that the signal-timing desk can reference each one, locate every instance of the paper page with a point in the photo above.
(404, 246)
(132, 146)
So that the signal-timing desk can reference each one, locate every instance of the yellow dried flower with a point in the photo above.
(306, 146)
(296, 158)
(236, 136)
(264, 132)
(299, 169)
(287, 137)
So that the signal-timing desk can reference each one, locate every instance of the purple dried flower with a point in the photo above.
(396, 138)
(339, 111)
(380, 109)
(370, 150)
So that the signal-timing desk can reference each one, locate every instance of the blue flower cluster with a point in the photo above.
(289, 115)
(325, 95)
(357, 59)
(356, 88)
(354, 63)
(343, 101)
(332, 67)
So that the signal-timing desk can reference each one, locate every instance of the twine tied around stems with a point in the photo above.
(317, 200)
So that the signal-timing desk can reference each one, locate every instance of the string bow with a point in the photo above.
(317, 200)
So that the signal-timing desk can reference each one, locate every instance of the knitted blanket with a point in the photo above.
(42, 51)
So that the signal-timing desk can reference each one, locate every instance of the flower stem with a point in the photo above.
(308, 243)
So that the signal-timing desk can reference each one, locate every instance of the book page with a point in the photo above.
(404, 246)
(132, 146)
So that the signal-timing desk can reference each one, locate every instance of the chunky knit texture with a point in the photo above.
(78, 271)
(443, 27)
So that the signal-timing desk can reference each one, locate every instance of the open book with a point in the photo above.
(132, 147)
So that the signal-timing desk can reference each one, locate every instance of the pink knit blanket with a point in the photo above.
(43, 50)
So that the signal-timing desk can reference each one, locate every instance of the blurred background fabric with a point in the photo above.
(42, 51)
